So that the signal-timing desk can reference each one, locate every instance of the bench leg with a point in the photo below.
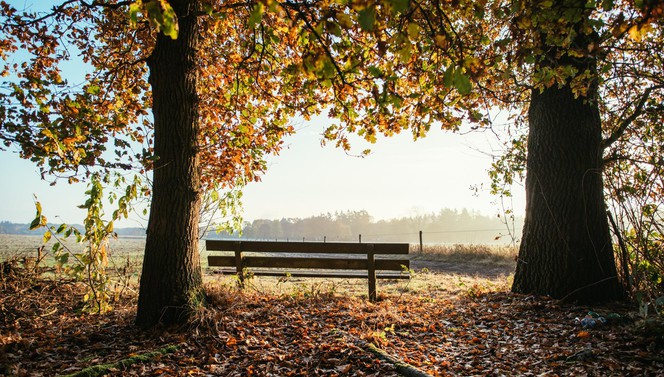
(371, 261)
(239, 265)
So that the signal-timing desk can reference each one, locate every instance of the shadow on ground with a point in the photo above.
(474, 269)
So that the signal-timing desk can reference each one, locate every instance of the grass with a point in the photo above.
(470, 261)
(466, 253)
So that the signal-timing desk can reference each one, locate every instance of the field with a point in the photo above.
(12, 245)
(455, 317)
(447, 267)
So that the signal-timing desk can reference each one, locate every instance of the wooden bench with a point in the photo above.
(313, 259)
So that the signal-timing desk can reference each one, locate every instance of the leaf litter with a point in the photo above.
(42, 333)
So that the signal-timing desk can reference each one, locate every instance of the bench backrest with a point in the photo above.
(307, 247)
(384, 250)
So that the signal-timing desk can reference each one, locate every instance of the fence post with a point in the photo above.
(371, 269)
(360, 238)
(421, 246)
(324, 239)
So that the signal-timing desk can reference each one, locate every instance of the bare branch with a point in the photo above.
(628, 121)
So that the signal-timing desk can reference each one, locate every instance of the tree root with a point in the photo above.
(401, 367)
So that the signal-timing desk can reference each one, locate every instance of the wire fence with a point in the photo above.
(460, 236)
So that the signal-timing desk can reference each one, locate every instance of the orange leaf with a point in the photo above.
(583, 334)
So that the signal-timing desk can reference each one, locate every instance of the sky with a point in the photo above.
(401, 177)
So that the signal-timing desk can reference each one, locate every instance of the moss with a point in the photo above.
(102, 369)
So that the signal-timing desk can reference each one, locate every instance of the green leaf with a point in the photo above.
(162, 16)
(405, 53)
(413, 30)
(344, 20)
(333, 28)
(93, 89)
(399, 6)
(462, 82)
(256, 15)
(375, 71)
(134, 9)
(170, 22)
(367, 18)
(35, 223)
(448, 76)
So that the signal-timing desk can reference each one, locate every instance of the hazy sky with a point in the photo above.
(400, 178)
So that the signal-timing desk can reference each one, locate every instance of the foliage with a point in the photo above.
(90, 265)
(270, 60)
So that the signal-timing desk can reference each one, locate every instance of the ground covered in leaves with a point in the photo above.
(472, 331)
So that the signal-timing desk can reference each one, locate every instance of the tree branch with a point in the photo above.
(326, 48)
(60, 8)
(628, 121)
(103, 4)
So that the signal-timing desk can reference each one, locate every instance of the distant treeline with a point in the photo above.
(446, 226)
(24, 229)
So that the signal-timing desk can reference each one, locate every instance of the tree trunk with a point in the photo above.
(566, 249)
(171, 283)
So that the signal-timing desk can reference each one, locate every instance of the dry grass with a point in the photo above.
(450, 269)
(462, 253)
(446, 269)
(421, 284)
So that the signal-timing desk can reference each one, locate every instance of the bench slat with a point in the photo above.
(319, 274)
(322, 263)
(306, 247)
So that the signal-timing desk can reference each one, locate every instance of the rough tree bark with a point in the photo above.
(171, 277)
(566, 249)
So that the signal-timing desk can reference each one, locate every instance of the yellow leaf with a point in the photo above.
(637, 32)
(441, 41)
(413, 30)
(344, 20)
